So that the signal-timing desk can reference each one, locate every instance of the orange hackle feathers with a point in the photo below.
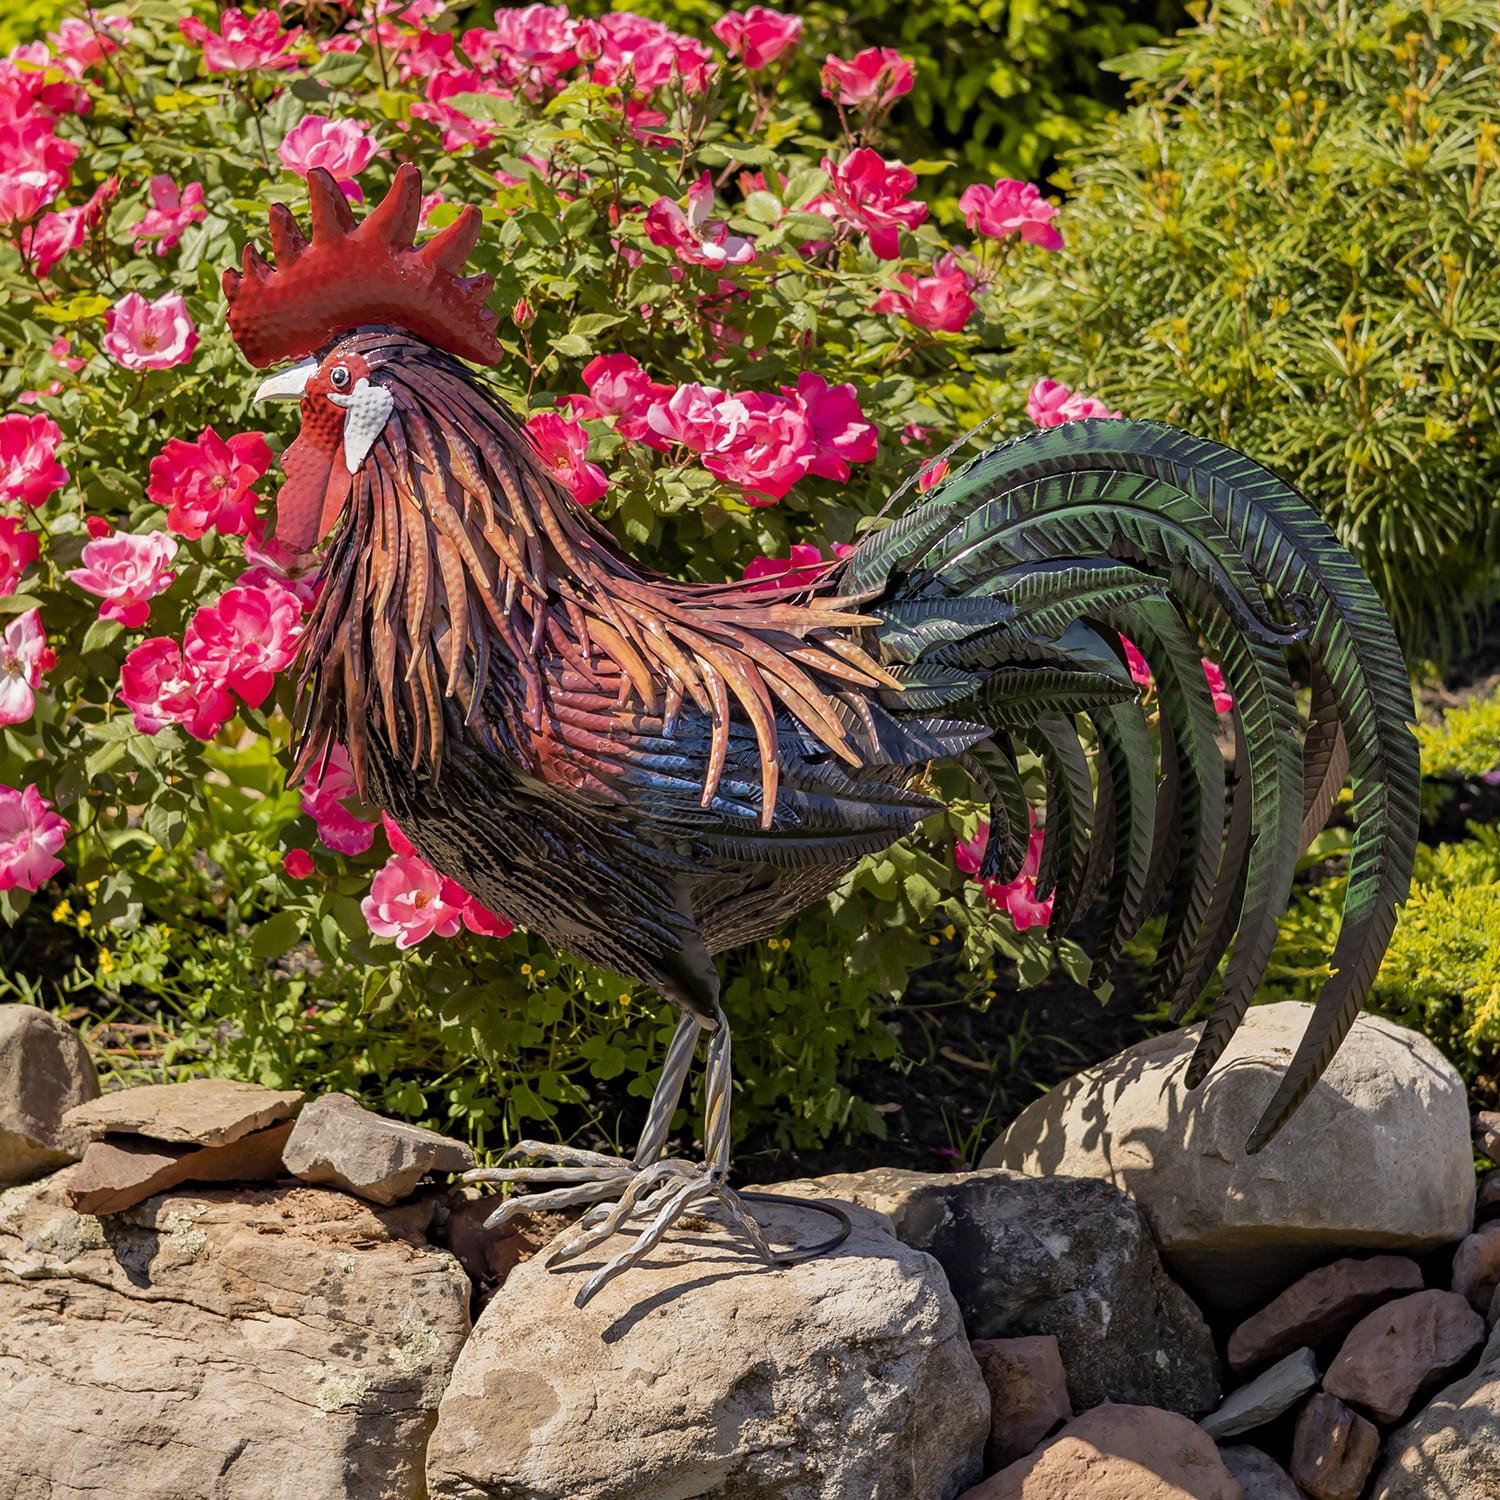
(352, 274)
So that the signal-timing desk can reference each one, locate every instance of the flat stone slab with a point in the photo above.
(217, 1344)
(703, 1373)
(1265, 1398)
(201, 1112)
(338, 1141)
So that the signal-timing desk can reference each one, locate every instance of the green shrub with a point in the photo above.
(1288, 244)
(174, 895)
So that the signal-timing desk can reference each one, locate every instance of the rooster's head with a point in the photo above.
(318, 306)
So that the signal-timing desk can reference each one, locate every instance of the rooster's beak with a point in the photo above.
(288, 384)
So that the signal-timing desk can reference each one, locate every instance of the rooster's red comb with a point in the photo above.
(352, 274)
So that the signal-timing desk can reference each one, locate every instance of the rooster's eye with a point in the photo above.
(340, 378)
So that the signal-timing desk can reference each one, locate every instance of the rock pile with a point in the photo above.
(213, 1288)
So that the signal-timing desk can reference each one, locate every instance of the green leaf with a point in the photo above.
(100, 634)
(102, 759)
(340, 68)
(591, 323)
(166, 824)
(271, 938)
(571, 345)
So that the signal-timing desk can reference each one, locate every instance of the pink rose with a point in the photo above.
(564, 447)
(58, 234)
(326, 801)
(867, 192)
(298, 863)
(841, 434)
(619, 388)
(1140, 668)
(805, 568)
(406, 902)
(82, 42)
(126, 571)
(773, 449)
(696, 239)
(876, 78)
(275, 564)
(940, 301)
(1050, 403)
(478, 919)
(699, 417)
(207, 484)
(932, 476)
(29, 470)
(244, 639)
(1217, 687)
(341, 147)
(23, 195)
(1011, 208)
(150, 335)
(24, 656)
(172, 210)
(1017, 898)
(31, 833)
(243, 43)
(758, 36)
(18, 550)
(160, 687)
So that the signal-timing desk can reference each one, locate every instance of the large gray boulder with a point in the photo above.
(44, 1070)
(245, 1344)
(1377, 1158)
(1451, 1449)
(1072, 1257)
(702, 1373)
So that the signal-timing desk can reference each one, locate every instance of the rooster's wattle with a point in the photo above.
(648, 772)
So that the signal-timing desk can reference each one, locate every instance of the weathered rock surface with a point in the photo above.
(1402, 1348)
(1334, 1449)
(337, 1140)
(1028, 1389)
(125, 1170)
(200, 1112)
(1324, 1304)
(1066, 1256)
(1451, 1449)
(1265, 1398)
(44, 1070)
(249, 1344)
(702, 1373)
(1260, 1476)
(1487, 1198)
(488, 1255)
(1118, 1453)
(1476, 1267)
(1378, 1157)
(1486, 1133)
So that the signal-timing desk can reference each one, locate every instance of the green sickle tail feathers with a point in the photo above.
(1004, 594)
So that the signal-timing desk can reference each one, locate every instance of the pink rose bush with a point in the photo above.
(326, 800)
(244, 43)
(1050, 403)
(127, 572)
(207, 484)
(410, 901)
(24, 657)
(758, 36)
(18, 550)
(804, 568)
(29, 471)
(340, 147)
(866, 192)
(940, 300)
(871, 80)
(244, 639)
(619, 388)
(31, 833)
(564, 447)
(172, 210)
(160, 686)
(1140, 674)
(1016, 898)
(145, 335)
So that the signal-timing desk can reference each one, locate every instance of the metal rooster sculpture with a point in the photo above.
(649, 772)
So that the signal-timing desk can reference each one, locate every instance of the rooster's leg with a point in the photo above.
(647, 1187)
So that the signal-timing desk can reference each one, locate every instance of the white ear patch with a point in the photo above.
(369, 408)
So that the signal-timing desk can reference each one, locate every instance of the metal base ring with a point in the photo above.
(796, 1257)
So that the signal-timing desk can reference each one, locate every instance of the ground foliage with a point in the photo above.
(1288, 243)
(175, 898)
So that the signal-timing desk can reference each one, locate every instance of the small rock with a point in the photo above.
(253, 1343)
(701, 1372)
(1324, 1304)
(1265, 1398)
(1397, 1350)
(488, 1255)
(1117, 1453)
(120, 1172)
(1451, 1449)
(337, 1140)
(44, 1070)
(1028, 1394)
(201, 1112)
(1487, 1199)
(1260, 1476)
(1066, 1256)
(1486, 1131)
(1476, 1267)
(1333, 1451)
(1377, 1157)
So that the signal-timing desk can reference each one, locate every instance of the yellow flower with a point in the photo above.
(106, 961)
(526, 968)
(61, 912)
